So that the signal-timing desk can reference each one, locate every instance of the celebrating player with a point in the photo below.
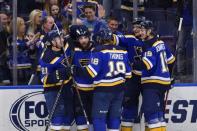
(155, 77)
(54, 75)
(109, 67)
(81, 58)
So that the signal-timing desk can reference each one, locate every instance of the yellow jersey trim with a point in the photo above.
(55, 84)
(156, 81)
(85, 88)
(158, 42)
(137, 73)
(128, 77)
(114, 40)
(54, 60)
(90, 72)
(147, 64)
(171, 61)
(109, 84)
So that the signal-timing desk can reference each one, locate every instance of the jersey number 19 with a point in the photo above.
(116, 68)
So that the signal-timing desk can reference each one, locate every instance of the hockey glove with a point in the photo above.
(139, 65)
(63, 73)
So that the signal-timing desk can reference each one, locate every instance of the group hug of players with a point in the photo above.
(104, 77)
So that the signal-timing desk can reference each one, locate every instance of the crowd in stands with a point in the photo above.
(37, 17)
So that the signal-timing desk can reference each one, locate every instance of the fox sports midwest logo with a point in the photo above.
(29, 112)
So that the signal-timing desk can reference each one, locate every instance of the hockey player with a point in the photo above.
(134, 45)
(155, 77)
(54, 74)
(81, 58)
(109, 67)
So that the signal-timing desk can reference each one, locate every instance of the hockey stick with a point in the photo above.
(54, 106)
(140, 113)
(174, 66)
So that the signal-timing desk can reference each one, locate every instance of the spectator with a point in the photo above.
(34, 21)
(47, 25)
(113, 24)
(47, 6)
(93, 23)
(4, 71)
(23, 49)
(56, 14)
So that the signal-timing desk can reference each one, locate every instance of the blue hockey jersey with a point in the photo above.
(109, 66)
(132, 45)
(81, 58)
(51, 62)
(156, 59)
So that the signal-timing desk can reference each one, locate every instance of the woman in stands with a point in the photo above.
(23, 51)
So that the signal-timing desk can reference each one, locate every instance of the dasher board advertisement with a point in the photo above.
(23, 108)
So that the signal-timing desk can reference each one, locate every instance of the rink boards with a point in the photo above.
(23, 108)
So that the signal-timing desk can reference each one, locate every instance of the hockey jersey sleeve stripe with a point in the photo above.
(139, 73)
(54, 60)
(148, 64)
(115, 40)
(128, 75)
(91, 71)
(171, 59)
